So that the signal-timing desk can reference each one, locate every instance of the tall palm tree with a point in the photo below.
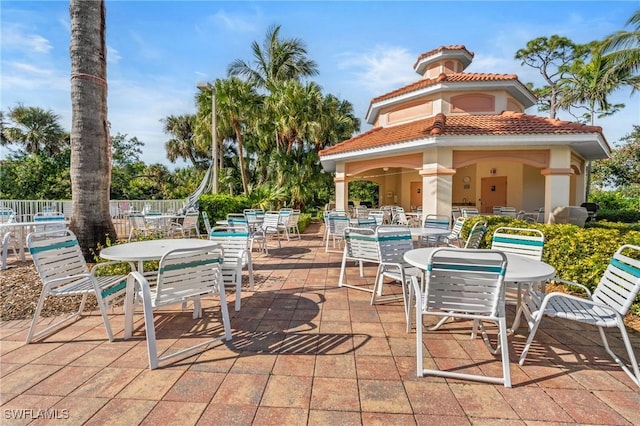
(35, 129)
(277, 60)
(237, 104)
(622, 49)
(91, 220)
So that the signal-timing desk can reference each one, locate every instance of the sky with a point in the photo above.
(158, 51)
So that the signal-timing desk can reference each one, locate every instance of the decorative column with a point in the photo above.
(557, 185)
(437, 181)
(341, 185)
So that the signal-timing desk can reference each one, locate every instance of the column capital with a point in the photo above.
(557, 172)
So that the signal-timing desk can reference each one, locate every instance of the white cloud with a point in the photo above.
(113, 55)
(16, 37)
(238, 23)
(381, 69)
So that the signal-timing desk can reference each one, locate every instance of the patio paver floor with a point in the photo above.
(307, 352)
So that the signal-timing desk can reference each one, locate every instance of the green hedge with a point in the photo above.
(578, 254)
(625, 216)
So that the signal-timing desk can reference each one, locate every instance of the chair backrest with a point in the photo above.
(469, 211)
(523, 241)
(399, 217)
(457, 228)
(393, 241)
(462, 283)
(49, 222)
(136, 221)
(235, 245)
(238, 224)
(337, 224)
(190, 220)
(368, 222)
(284, 216)
(455, 213)
(7, 215)
(361, 243)
(620, 283)
(56, 254)
(271, 221)
(378, 215)
(508, 211)
(207, 223)
(436, 221)
(187, 273)
(475, 235)
(496, 209)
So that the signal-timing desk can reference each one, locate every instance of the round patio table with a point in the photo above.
(139, 251)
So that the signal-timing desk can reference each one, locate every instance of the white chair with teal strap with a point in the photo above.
(605, 308)
(64, 272)
(8, 236)
(435, 221)
(49, 221)
(237, 256)
(183, 275)
(360, 246)
(467, 288)
(527, 242)
(393, 242)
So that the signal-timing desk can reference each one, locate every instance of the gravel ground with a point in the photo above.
(20, 288)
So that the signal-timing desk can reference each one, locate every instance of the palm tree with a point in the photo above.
(622, 49)
(277, 60)
(91, 220)
(182, 145)
(237, 104)
(35, 129)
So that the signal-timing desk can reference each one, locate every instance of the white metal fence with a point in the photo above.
(25, 209)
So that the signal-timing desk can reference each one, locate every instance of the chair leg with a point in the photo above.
(506, 372)
(238, 286)
(635, 375)
(533, 325)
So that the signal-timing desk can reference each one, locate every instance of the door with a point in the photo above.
(416, 194)
(493, 193)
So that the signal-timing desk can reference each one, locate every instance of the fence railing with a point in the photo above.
(24, 210)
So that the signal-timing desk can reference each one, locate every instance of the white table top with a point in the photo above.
(421, 231)
(31, 223)
(138, 251)
(519, 268)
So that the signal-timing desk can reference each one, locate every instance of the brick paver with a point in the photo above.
(306, 352)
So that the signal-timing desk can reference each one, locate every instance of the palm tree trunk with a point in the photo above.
(91, 220)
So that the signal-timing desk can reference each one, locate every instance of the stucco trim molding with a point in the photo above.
(437, 171)
(533, 158)
(557, 172)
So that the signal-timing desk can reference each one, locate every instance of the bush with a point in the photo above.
(624, 216)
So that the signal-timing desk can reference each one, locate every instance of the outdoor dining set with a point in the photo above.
(440, 274)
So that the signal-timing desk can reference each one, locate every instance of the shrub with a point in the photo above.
(624, 216)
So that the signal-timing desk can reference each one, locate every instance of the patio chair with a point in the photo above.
(377, 215)
(454, 239)
(292, 223)
(393, 243)
(50, 221)
(435, 221)
(360, 246)
(189, 224)
(64, 272)
(469, 211)
(207, 223)
(283, 221)
(138, 226)
(336, 224)
(8, 240)
(183, 275)
(237, 256)
(605, 308)
(270, 227)
(466, 289)
(527, 242)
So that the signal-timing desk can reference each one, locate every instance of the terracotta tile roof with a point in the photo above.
(507, 123)
(441, 49)
(453, 78)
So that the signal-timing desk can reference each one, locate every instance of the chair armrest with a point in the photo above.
(575, 284)
(549, 296)
(97, 266)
